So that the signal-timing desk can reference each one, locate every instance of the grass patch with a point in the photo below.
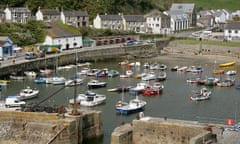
(219, 43)
(216, 4)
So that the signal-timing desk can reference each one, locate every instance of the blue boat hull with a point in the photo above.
(126, 112)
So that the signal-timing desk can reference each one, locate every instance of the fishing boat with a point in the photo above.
(102, 73)
(218, 72)
(227, 64)
(4, 82)
(140, 86)
(14, 76)
(203, 95)
(27, 93)
(231, 72)
(161, 76)
(40, 80)
(113, 73)
(96, 84)
(148, 77)
(74, 80)
(175, 68)
(89, 99)
(120, 89)
(134, 105)
(149, 91)
(58, 80)
(211, 81)
(226, 82)
(30, 74)
(12, 101)
(128, 74)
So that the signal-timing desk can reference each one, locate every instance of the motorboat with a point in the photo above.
(218, 72)
(149, 91)
(13, 101)
(89, 99)
(226, 82)
(40, 80)
(4, 82)
(127, 74)
(30, 74)
(203, 95)
(102, 73)
(134, 105)
(96, 84)
(149, 77)
(140, 86)
(56, 80)
(120, 89)
(27, 93)
(74, 80)
(231, 72)
(161, 76)
(92, 72)
(113, 73)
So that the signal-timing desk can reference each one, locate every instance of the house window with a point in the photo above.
(157, 25)
(229, 31)
(236, 31)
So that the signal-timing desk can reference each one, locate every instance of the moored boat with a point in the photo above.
(27, 93)
(203, 95)
(134, 105)
(89, 99)
(227, 64)
(96, 84)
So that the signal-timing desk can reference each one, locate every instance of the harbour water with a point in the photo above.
(173, 103)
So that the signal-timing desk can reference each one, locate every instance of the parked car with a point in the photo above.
(129, 42)
(31, 55)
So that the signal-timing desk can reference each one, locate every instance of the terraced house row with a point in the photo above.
(179, 17)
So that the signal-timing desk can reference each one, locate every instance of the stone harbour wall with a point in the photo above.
(149, 130)
(41, 128)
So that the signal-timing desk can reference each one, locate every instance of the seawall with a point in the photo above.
(150, 130)
(45, 128)
(85, 54)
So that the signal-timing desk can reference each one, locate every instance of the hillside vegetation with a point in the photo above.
(94, 7)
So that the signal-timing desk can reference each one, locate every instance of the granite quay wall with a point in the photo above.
(161, 130)
(45, 128)
(84, 54)
(196, 49)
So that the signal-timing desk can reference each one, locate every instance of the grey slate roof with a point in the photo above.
(110, 17)
(75, 13)
(233, 25)
(56, 31)
(186, 7)
(50, 12)
(134, 18)
(155, 13)
(20, 9)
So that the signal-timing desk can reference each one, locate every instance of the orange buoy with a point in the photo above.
(230, 122)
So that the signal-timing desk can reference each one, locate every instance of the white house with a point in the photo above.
(17, 14)
(108, 22)
(59, 36)
(157, 22)
(232, 30)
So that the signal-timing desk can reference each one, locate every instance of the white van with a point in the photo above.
(12, 101)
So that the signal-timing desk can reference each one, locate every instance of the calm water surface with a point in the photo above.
(173, 102)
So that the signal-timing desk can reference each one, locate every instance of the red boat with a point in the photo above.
(151, 91)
